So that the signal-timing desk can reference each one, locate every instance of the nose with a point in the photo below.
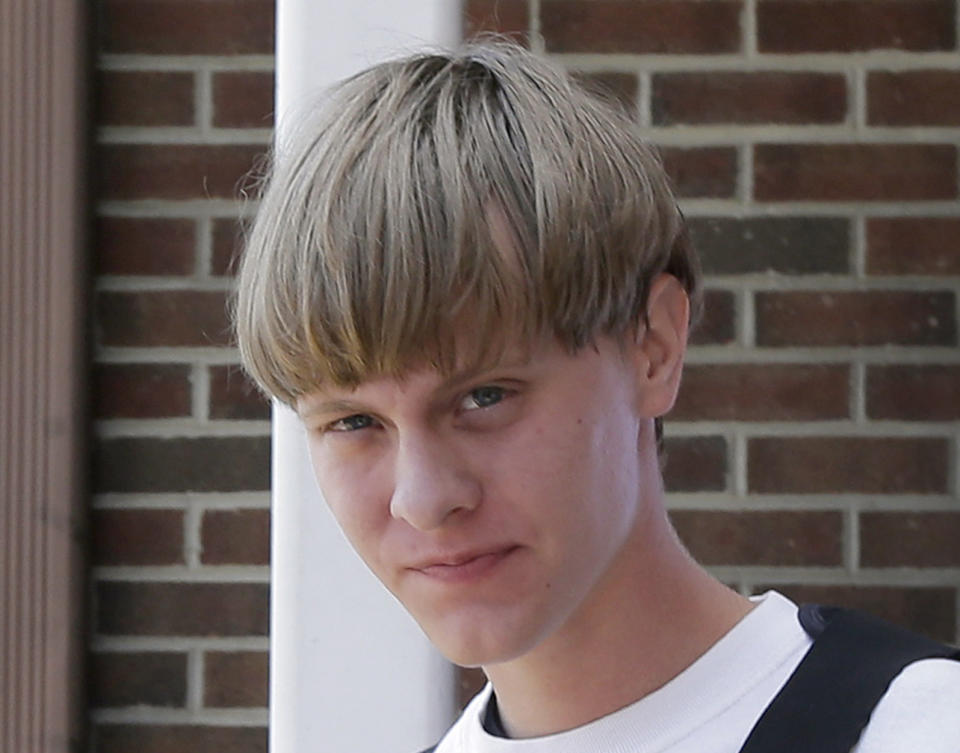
(431, 483)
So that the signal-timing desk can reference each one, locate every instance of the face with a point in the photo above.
(495, 505)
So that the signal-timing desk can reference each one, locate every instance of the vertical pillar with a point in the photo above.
(42, 321)
(350, 670)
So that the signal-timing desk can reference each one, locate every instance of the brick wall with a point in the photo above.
(814, 447)
(180, 520)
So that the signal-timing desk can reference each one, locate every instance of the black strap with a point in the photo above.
(827, 702)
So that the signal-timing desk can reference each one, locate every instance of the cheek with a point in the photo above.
(546, 467)
(355, 496)
(586, 473)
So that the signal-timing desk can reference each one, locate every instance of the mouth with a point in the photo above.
(465, 566)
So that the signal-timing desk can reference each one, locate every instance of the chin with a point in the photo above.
(475, 642)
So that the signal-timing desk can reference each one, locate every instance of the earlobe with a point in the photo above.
(661, 345)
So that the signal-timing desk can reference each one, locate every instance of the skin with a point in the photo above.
(518, 514)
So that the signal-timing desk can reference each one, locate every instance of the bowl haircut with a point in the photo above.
(435, 209)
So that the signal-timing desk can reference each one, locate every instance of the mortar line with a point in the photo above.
(202, 250)
(851, 538)
(191, 536)
(537, 43)
(182, 500)
(182, 575)
(858, 399)
(645, 98)
(728, 501)
(858, 104)
(745, 177)
(161, 62)
(858, 246)
(195, 679)
(195, 135)
(204, 101)
(200, 383)
(176, 428)
(748, 25)
(736, 61)
(180, 644)
(739, 465)
(747, 325)
(242, 717)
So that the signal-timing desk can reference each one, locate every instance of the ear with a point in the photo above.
(661, 345)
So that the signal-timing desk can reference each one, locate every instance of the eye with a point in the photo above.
(483, 397)
(355, 422)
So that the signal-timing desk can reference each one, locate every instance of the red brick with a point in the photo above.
(141, 390)
(853, 25)
(179, 738)
(764, 97)
(508, 17)
(234, 679)
(233, 396)
(929, 392)
(786, 245)
(187, 27)
(783, 538)
(695, 464)
(235, 537)
(913, 246)
(150, 678)
(144, 246)
(182, 464)
(137, 537)
(653, 26)
(880, 317)
(620, 88)
(931, 611)
(910, 539)
(763, 392)
(144, 98)
(855, 172)
(227, 244)
(243, 99)
(913, 98)
(174, 171)
(701, 172)
(718, 324)
(163, 318)
(867, 465)
(185, 609)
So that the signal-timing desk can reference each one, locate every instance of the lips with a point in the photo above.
(462, 566)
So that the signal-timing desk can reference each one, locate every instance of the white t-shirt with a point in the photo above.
(712, 705)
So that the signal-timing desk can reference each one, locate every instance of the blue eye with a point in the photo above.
(483, 397)
(352, 423)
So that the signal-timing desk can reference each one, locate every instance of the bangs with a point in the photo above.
(440, 209)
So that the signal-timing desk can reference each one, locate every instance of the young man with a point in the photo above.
(472, 281)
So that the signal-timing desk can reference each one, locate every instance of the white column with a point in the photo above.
(350, 670)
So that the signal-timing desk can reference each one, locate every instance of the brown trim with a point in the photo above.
(42, 360)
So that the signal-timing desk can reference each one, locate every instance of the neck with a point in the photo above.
(656, 613)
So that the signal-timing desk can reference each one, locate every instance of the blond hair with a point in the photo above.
(440, 201)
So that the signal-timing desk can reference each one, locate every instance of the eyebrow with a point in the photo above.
(324, 407)
(511, 360)
(450, 383)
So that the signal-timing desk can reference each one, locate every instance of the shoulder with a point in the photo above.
(918, 711)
